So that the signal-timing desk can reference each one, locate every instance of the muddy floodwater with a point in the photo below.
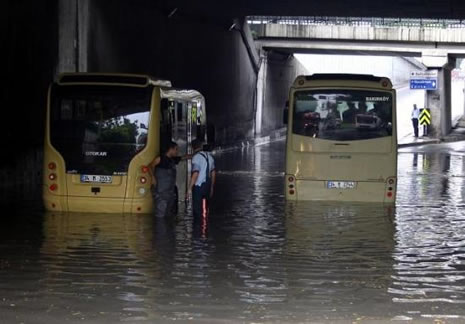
(256, 259)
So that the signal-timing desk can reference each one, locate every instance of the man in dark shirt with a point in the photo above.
(163, 172)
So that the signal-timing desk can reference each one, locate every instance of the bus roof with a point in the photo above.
(384, 82)
(111, 78)
(181, 94)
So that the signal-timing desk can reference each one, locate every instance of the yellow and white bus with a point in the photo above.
(341, 140)
(102, 131)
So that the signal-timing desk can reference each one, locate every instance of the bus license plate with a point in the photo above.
(96, 178)
(341, 184)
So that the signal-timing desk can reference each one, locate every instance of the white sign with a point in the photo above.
(432, 74)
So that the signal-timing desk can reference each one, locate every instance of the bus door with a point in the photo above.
(179, 135)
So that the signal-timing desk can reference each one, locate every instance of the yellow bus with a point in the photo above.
(102, 131)
(341, 140)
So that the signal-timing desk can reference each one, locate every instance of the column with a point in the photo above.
(439, 100)
(73, 22)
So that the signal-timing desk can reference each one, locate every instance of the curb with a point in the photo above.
(425, 142)
(453, 138)
(274, 136)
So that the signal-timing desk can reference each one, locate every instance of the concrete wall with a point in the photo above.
(189, 51)
(278, 73)
(29, 46)
(42, 39)
(396, 68)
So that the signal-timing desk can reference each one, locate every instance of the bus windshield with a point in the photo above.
(99, 129)
(342, 115)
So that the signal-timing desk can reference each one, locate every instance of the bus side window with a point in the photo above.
(66, 110)
(180, 112)
(166, 126)
(286, 113)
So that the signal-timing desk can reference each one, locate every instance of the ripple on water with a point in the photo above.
(256, 258)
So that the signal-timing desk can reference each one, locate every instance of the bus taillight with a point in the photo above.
(290, 179)
(52, 166)
(53, 187)
(143, 180)
(52, 176)
(145, 169)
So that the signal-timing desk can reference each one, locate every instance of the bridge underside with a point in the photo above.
(341, 47)
(202, 45)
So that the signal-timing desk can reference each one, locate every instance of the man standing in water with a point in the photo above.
(202, 182)
(163, 172)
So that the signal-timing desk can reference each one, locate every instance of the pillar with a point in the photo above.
(439, 101)
(73, 22)
(261, 90)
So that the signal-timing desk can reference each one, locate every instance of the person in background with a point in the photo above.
(163, 172)
(415, 116)
(202, 183)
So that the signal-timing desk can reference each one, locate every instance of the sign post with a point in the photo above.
(424, 80)
(425, 119)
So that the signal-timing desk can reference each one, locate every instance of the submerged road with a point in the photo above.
(256, 259)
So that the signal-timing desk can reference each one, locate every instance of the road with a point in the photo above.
(255, 259)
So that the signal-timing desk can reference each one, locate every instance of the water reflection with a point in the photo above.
(255, 259)
(340, 257)
(430, 251)
(307, 258)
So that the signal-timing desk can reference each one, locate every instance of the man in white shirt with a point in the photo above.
(202, 180)
(415, 116)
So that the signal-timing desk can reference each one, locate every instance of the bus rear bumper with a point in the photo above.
(97, 205)
(364, 191)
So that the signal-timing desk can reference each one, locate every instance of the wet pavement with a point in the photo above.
(257, 259)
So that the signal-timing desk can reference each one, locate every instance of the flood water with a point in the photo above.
(256, 259)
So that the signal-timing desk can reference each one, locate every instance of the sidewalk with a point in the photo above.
(457, 134)
(411, 140)
(273, 136)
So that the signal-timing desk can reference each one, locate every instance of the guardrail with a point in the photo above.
(358, 21)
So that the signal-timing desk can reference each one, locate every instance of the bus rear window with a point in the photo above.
(342, 115)
(99, 129)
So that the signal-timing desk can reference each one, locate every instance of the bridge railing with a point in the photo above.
(358, 21)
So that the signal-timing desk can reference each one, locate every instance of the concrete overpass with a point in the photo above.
(436, 44)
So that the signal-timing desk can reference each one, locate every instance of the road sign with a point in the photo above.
(426, 80)
(423, 84)
(425, 116)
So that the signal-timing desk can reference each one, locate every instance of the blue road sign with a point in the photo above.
(426, 84)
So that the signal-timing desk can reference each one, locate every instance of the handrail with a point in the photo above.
(358, 21)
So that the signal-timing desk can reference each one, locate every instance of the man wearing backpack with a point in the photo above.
(202, 182)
